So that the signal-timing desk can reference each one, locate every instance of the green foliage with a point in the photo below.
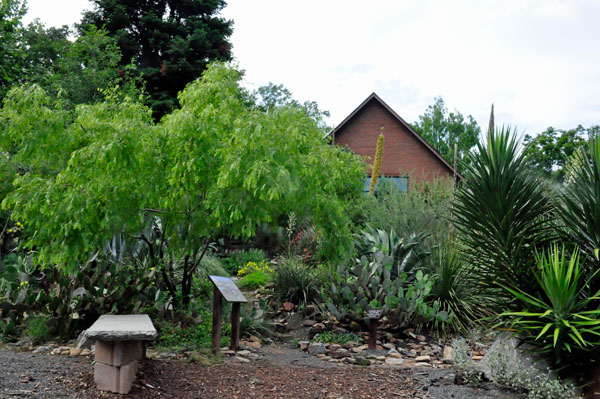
(423, 209)
(217, 166)
(37, 329)
(562, 318)
(171, 42)
(295, 282)
(175, 336)
(238, 259)
(455, 289)
(254, 280)
(442, 130)
(500, 213)
(11, 15)
(579, 203)
(253, 321)
(406, 254)
(336, 338)
(368, 283)
(549, 151)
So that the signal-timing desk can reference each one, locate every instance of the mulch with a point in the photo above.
(166, 379)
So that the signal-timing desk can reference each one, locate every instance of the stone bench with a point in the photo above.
(119, 347)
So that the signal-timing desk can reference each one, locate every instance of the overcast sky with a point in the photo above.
(537, 61)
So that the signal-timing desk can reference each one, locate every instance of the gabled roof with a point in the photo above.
(375, 97)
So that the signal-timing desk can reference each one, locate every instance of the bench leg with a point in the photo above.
(116, 365)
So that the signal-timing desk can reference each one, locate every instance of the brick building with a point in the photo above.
(407, 157)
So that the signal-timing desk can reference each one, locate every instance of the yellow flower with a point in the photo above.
(10, 230)
(21, 283)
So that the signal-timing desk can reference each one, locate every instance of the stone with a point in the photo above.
(304, 345)
(288, 306)
(448, 354)
(333, 361)
(241, 359)
(316, 348)
(395, 355)
(74, 352)
(115, 379)
(425, 358)
(380, 358)
(42, 349)
(477, 357)
(349, 360)
(118, 353)
(83, 342)
(334, 347)
(422, 364)
(394, 361)
(85, 352)
(316, 329)
(309, 310)
(254, 338)
(244, 353)
(281, 327)
(254, 345)
(408, 353)
(122, 328)
(309, 323)
(389, 346)
(339, 355)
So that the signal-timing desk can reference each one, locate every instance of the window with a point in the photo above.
(400, 182)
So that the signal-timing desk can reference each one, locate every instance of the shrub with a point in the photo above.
(336, 338)
(37, 329)
(561, 319)
(253, 321)
(173, 335)
(254, 280)
(456, 292)
(251, 267)
(424, 208)
(295, 282)
(500, 213)
(237, 260)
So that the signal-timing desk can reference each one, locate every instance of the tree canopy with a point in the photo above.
(218, 165)
(443, 129)
(170, 41)
(550, 151)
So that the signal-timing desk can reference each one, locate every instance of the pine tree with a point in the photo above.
(170, 41)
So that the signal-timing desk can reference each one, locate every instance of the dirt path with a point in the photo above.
(282, 373)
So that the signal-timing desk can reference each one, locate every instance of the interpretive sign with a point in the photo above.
(374, 314)
(228, 289)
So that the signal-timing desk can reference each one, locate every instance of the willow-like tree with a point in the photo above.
(218, 165)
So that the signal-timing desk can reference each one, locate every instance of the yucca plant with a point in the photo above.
(456, 292)
(501, 213)
(560, 319)
(579, 202)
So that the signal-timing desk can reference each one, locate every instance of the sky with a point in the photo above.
(537, 61)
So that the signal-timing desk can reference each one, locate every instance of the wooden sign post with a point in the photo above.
(226, 288)
(373, 315)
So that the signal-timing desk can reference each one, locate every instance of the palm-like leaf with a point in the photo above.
(501, 212)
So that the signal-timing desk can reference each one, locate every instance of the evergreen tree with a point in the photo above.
(170, 41)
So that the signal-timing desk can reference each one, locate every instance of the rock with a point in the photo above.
(349, 360)
(281, 327)
(167, 355)
(288, 306)
(309, 323)
(316, 348)
(42, 349)
(110, 327)
(309, 310)
(241, 359)
(394, 361)
(425, 358)
(85, 352)
(339, 355)
(380, 358)
(304, 345)
(334, 347)
(321, 355)
(244, 353)
(254, 345)
(477, 357)
(395, 355)
(74, 352)
(421, 338)
(448, 354)
(389, 346)
(254, 338)
(422, 364)
(316, 329)
(408, 353)
(83, 342)
(361, 361)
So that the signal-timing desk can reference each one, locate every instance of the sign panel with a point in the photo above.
(228, 289)
(374, 314)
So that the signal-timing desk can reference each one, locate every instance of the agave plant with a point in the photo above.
(406, 254)
(562, 318)
(501, 214)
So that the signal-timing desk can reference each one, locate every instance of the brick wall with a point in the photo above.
(403, 153)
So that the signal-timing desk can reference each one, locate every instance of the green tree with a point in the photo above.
(170, 41)
(218, 165)
(550, 151)
(11, 14)
(443, 129)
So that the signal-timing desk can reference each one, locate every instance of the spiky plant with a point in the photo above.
(501, 213)
(377, 163)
